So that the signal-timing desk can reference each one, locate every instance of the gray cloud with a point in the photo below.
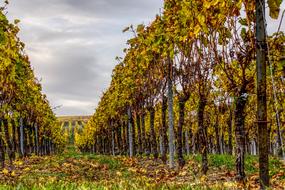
(99, 9)
(72, 44)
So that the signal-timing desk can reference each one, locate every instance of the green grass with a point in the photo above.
(228, 162)
(130, 185)
(71, 152)
(112, 163)
(251, 164)
(217, 161)
(54, 186)
(102, 159)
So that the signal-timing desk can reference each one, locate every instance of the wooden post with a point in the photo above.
(261, 52)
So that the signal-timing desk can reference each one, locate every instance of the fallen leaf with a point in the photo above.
(5, 171)
(183, 173)
(13, 174)
(119, 173)
(27, 169)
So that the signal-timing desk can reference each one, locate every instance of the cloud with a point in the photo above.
(72, 44)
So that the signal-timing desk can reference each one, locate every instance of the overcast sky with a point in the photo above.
(72, 44)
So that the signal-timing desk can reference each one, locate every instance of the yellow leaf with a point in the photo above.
(183, 173)
(5, 171)
(207, 4)
(27, 169)
(18, 163)
(143, 171)
(274, 8)
(203, 178)
(157, 172)
(230, 184)
(119, 173)
(13, 174)
(132, 169)
(201, 19)
(197, 30)
(66, 164)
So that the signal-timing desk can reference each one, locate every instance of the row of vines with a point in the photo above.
(28, 125)
(187, 84)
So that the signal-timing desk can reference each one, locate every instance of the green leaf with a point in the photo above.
(16, 21)
(243, 33)
(140, 28)
(274, 8)
(243, 21)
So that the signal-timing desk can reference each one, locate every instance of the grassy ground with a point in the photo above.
(74, 170)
